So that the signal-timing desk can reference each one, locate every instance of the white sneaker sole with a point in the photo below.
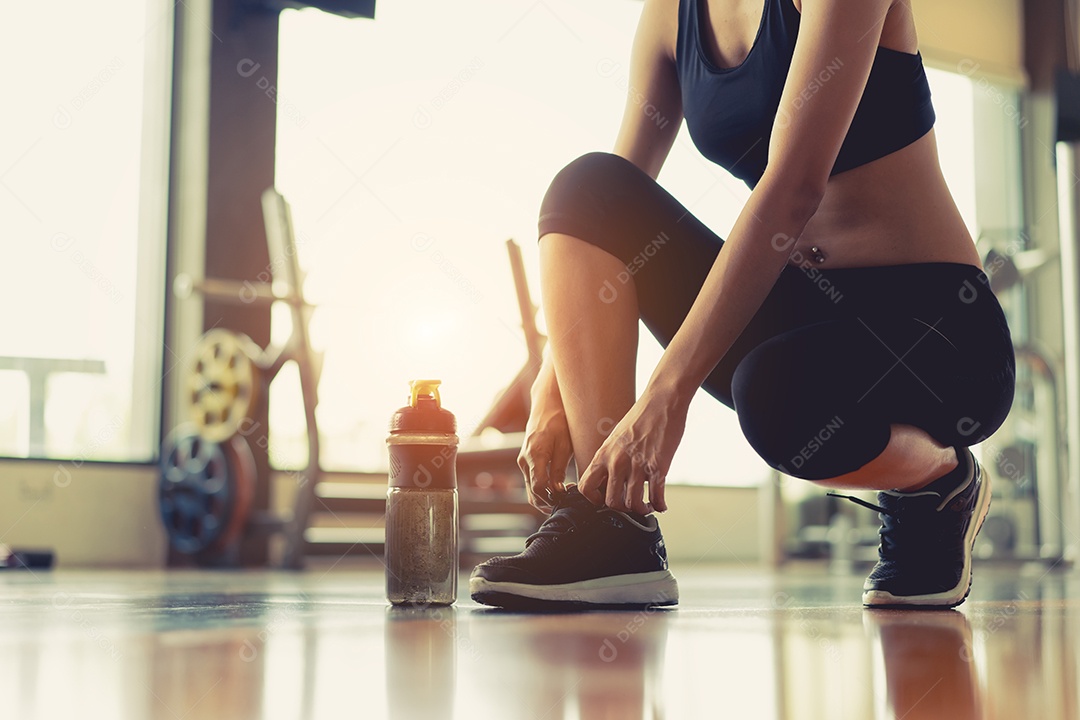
(954, 596)
(657, 588)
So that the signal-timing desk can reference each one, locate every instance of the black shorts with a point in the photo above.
(833, 357)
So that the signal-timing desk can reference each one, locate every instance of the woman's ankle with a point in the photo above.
(947, 476)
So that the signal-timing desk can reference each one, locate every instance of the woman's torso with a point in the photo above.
(893, 210)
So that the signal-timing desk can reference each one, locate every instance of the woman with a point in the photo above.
(845, 319)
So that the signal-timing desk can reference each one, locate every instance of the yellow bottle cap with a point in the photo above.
(425, 387)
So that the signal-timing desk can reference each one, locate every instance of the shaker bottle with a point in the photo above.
(422, 502)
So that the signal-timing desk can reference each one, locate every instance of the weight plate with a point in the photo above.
(205, 490)
(223, 384)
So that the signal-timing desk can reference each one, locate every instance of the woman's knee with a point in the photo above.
(766, 401)
(589, 170)
(593, 192)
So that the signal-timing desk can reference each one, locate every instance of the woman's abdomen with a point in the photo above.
(896, 210)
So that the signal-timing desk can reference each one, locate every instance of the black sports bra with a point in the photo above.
(730, 112)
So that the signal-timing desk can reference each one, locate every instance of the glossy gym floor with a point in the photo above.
(324, 644)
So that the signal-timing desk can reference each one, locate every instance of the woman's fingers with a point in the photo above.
(621, 472)
(617, 477)
(656, 494)
(591, 484)
(534, 465)
(560, 462)
(635, 493)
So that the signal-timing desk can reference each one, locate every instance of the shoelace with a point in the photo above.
(562, 519)
(901, 539)
(860, 501)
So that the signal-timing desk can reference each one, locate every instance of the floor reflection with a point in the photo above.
(928, 662)
(282, 647)
(421, 661)
(563, 666)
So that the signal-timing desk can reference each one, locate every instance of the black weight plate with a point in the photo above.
(196, 494)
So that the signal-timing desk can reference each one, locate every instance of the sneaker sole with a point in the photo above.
(948, 598)
(652, 589)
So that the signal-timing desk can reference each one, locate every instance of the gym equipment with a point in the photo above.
(495, 512)
(1026, 523)
(205, 491)
(224, 383)
(230, 376)
(510, 411)
(18, 559)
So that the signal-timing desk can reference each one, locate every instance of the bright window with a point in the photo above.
(411, 147)
(82, 190)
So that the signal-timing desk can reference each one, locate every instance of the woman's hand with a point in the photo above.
(638, 450)
(547, 450)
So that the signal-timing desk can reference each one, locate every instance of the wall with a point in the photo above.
(712, 525)
(106, 515)
(95, 515)
(963, 34)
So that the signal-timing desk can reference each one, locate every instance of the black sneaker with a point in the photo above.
(582, 555)
(926, 543)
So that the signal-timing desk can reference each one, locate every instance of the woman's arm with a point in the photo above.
(653, 111)
(546, 452)
(811, 124)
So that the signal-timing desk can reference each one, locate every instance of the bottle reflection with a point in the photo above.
(929, 664)
(421, 660)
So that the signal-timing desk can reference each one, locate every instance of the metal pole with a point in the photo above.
(1068, 206)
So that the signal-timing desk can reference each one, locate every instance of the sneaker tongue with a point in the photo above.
(570, 508)
(891, 500)
(573, 498)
